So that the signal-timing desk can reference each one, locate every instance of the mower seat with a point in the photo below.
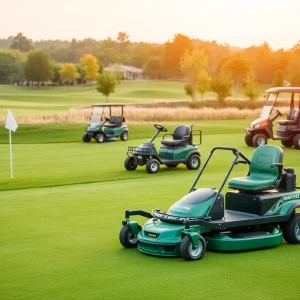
(264, 171)
(115, 121)
(292, 118)
(181, 136)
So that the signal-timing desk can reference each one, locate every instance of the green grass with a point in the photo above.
(61, 242)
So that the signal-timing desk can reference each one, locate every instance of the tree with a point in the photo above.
(11, 67)
(90, 66)
(250, 86)
(123, 41)
(68, 73)
(56, 74)
(188, 89)
(204, 83)
(278, 78)
(222, 85)
(21, 43)
(38, 66)
(191, 65)
(154, 68)
(106, 83)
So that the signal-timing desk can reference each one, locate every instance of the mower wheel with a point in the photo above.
(171, 165)
(127, 239)
(287, 143)
(296, 141)
(193, 162)
(124, 136)
(291, 230)
(152, 166)
(129, 164)
(86, 138)
(100, 138)
(259, 139)
(249, 140)
(187, 251)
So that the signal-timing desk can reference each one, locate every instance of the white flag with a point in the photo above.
(11, 123)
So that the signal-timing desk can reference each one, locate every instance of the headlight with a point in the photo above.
(257, 126)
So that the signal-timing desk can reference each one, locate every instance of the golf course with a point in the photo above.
(61, 214)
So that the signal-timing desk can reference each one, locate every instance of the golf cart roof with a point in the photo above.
(283, 90)
(107, 104)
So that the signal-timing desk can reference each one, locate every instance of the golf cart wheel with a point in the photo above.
(296, 141)
(287, 143)
(291, 230)
(100, 138)
(86, 138)
(124, 136)
(193, 162)
(187, 251)
(152, 166)
(171, 165)
(249, 140)
(129, 164)
(127, 238)
(259, 140)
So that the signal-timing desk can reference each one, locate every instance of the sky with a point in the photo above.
(238, 23)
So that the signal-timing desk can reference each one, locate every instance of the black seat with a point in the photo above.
(114, 121)
(181, 136)
(292, 118)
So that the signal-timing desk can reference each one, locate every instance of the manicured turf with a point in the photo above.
(61, 242)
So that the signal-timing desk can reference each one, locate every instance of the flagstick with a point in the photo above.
(10, 151)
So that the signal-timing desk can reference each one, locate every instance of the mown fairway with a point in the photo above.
(60, 219)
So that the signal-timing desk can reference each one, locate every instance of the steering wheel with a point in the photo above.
(160, 128)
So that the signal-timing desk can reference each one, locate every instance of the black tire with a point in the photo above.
(296, 141)
(127, 239)
(291, 230)
(152, 166)
(187, 251)
(193, 162)
(259, 140)
(100, 138)
(172, 165)
(287, 143)
(124, 136)
(249, 140)
(86, 138)
(129, 164)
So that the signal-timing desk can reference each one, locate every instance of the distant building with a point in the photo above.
(126, 72)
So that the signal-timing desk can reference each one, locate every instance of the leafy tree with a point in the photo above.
(191, 65)
(21, 43)
(222, 85)
(56, 74)
(11, 67)
(250, 86)
(123, 41)
(204, 83)
(68, 73)
(278, 79)
(106, 84)
(188, 89)
(90, 66)
(38, 66)
(154, 68)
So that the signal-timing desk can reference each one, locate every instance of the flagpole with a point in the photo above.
(10, 151)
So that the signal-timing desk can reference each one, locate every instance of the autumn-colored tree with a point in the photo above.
(222, 85)
(204, 83)
(278, 78)
(191, 65)
(68, 73)
(106, 84)
(293, 68)
(250, 86)
(90, 66)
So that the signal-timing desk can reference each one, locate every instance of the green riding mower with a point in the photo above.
(180, 149)
(260, 211)
(106, 129)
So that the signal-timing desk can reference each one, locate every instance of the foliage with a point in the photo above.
(56, 74)
(11, 67)
(204, 83)
(250, 86)
(154, 68)
(22, 43)
(106, 84)
(38, 66)
(222, 85)
(90, 66)
(278, 79)
(188, 89)
(68, 73)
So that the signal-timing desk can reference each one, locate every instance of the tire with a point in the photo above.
(287, 143)
(100, 138)
(187, 251)
(249, 140)
(171, 165)
(259, 140)
(193, 162)
(291, 230)
(124, 136)
(296, 141)
(152, 166)
(86, 138)
(129, 164)
(127, 239)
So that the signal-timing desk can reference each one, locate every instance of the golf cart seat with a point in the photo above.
(265, 171)
(115, 121)
(181, 136)
(292, 118)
